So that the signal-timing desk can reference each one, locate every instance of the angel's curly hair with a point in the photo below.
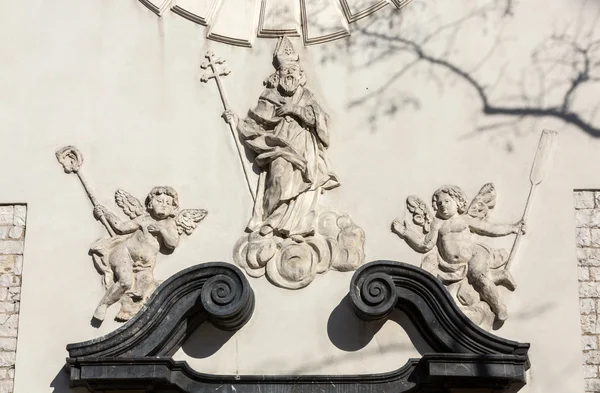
(455, 193)
(162, 190)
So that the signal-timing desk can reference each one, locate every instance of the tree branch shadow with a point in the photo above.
(564, 65)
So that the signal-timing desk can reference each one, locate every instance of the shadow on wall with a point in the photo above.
(205, 341)
(349, 333)
(60, 383)
(425, 42)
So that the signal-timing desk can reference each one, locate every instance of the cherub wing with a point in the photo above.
(130, 204)
(187, 220)
(484, 201)
(422, 215)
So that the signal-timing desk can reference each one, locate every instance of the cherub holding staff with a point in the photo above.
(127, 258)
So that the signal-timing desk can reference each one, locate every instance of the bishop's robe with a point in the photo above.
(291, 154)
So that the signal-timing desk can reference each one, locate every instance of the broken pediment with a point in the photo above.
(138, 355)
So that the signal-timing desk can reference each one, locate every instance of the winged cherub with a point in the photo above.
(127, 260)
(459, 256)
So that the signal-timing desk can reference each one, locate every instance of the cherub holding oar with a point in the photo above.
(458, 255)
(469, 268)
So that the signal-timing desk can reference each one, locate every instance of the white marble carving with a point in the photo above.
(126, 258)
(471, 269)
(291, 237)
(237, 22)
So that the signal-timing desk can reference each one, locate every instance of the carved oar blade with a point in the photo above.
(542, 156)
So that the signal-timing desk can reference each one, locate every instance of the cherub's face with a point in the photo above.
(161, 206)
(446, 206)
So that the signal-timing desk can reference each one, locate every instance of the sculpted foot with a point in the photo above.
(100, 312)
(502, 313)
(135, 295)
(122, 316)
(506, 279)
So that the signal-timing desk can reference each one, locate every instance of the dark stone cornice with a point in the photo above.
(379, 287)
(218, 292)
(138, 355)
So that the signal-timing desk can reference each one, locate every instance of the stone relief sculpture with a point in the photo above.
(291, 237)
(127, 258)
(444, 235)
(470, 269)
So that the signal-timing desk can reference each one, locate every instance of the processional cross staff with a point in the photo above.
(216, 74)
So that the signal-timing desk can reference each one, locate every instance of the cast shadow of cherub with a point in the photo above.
(470, 269)
(126, 261)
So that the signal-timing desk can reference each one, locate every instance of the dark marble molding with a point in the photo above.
(137, 356)
(218, 292)
(379, 287)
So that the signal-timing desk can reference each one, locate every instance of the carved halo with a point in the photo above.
(315, 20)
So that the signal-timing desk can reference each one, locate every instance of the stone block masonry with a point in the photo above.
(587, 222)
(12, 243)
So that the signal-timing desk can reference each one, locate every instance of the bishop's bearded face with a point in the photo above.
(289, 78)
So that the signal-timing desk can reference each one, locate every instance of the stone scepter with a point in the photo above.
(216, 74)
(71, 160)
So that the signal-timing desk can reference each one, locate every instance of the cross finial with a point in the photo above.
(212, 65)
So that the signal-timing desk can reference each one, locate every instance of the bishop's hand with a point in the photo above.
(286, 109)
(229, 117)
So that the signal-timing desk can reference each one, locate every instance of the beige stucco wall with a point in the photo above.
(122, 85)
